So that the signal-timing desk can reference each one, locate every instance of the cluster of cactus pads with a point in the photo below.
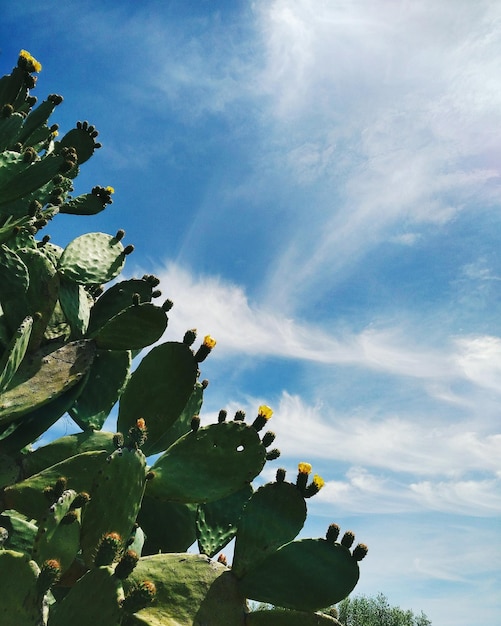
(90, 534)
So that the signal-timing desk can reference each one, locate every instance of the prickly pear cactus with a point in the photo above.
(93, 531)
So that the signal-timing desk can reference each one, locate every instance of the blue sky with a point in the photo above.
(317, 184)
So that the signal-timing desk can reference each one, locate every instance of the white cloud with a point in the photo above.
(393, 108)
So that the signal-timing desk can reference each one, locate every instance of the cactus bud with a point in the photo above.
(128, 249)
(314, 487)
(138, 433)
(28, 63)
(49, 574)
(126, 564)
(360, 552)
(69, 518)
(136, 299)
(139, 597)
(273, 454)
(120, 234)
(80, 500)
(268, 438)
(195, 423)
(204, 383)
(263, 415)
(348, 539)
(332, 533)
(118, 440)
(156, 294)
(205, 349)
(152, 280)
(190, 336)
(7, 110)
(304, 470)
(239, 416)
(280, 477)
(222, 415)
(29, 155)
(55, 98)
(108, 549)
(222, 559)
(167, 305)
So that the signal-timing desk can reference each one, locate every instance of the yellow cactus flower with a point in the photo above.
(209, 342)
(141, 424)
(37, 67)
(304, 468)
(265, 411)
(318, 481)
(55, 133)
(110, 189)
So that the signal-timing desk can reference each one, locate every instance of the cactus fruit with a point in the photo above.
(89, 534)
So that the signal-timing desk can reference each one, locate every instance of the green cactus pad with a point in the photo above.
(14, 354)
(44, 377)
(94, 600)
(22, 532)
(9, 129)
(183, 423)
(168, 526)
(36, 119)
(65, 447)
(93, 258)
(29, 179)
(86, 204)
(33, 424)
(217, 521)
(28, 496)
(56, 538)
(191, 589)
(42, 293)
(19, 605)
(81, 140)
(272, 517)
(14, 275)
(208, 464)
(305, 575)
(9, 470)
(76, 305)
(107, 377)
(158, 391)
(283, 617)
(135, 327)
(117, 298)
(115, 500)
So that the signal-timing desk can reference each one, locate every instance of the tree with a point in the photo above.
(365, 611)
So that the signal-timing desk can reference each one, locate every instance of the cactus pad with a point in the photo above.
(106, 380)
(208, 464)
(273, 516)
(191, 589)
(115, 499)
(45, 377)
(19, 605)
(93, 258)
(217, 521)
(305, 575)
(158, 391)
(14, 354)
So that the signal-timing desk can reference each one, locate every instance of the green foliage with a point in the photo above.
(89, 533)
(364, 611)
